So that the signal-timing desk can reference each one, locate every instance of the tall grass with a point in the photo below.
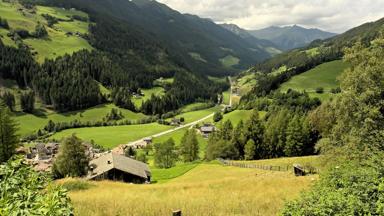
(209, 189)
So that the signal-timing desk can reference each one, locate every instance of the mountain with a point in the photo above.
(288, 64)
(265, 44)
(290, 37)
(201, 45)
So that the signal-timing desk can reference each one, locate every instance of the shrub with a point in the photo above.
(319, 90)
(26, 192)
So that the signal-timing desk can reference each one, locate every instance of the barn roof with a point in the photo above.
(207, 129)
(114, 161)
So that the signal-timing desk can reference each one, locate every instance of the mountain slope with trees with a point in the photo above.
(183, 34)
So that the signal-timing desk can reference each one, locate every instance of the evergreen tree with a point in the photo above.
(142, 156)
(8, 137)
(165, 154)
(72, 160)
(226, 130)
(130, 152)
(40, 31)
(9, 100)
(189, 147)
(27, 101)
(249, 150)
(254, 129)
(217, 116)
(238, 139)
(296, 138)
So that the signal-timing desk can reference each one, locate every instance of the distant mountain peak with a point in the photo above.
(290, 37)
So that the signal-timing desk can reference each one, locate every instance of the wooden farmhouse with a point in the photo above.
(119, 168)
(207, 129)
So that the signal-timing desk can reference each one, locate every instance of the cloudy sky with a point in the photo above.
(331, 15)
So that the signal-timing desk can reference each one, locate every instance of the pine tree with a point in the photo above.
(226, 130)
(296, 138)
(72, 160)
(254, 129)
(165, 154)
(8, 137)
(189, 147)
(249, 150)
(9, 100)
(217, 116)
(238, 139)
(27, 101)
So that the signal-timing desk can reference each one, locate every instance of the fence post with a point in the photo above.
(176, 213)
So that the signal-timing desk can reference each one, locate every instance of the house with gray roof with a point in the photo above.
(117, 167)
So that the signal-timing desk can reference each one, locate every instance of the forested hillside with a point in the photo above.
(123, 58)
(273, 72)
(198, 44)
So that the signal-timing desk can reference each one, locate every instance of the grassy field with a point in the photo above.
(229, 61)
(111, 137)
(197, 57)
(193, 107)
(226, 97)
(157, 91)
(236, 116)
(29, 123)
(246, 83)
(58, 43)
(208, 189)
(324, 75)
(196, 115)
(314, 161)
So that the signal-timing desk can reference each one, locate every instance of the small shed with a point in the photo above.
(119, 168)
(298, 170)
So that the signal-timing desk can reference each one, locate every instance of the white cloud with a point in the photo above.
(330, 15)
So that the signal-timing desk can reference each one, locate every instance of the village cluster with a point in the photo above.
(112, 165)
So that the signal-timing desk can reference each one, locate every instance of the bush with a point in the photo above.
(320, 90)
(217, 116)
(26, 192)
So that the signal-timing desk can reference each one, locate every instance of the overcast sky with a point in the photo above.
(331, 15)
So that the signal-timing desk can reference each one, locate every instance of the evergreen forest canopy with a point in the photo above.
(71, 82)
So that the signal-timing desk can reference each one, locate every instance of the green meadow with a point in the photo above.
(157, 91)
(57, 43)
(196, 115)
(113, 136)
(29, 123)
(324, 75)
(229, 61)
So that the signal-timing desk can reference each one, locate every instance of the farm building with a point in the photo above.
(119, 168)
(207, 129)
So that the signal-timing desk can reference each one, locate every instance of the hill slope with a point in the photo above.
(290, 37)
(187, 35)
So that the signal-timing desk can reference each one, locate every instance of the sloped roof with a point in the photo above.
(207, 129)
(114, 161)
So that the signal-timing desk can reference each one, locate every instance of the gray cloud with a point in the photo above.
(331, 15)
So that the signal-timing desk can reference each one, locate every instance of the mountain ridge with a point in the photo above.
(291, 37)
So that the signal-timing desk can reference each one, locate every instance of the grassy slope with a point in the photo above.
(229, 61)
(29, 123)
(111, 137)
(158, 91)
(57, 43)
(324, 75)
(208, 189)
(196, 115)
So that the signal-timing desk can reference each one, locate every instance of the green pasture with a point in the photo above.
(29, 123)
(113, 136)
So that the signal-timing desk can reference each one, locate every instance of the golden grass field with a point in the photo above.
(208, 189)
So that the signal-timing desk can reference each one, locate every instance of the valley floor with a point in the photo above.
(207, 189)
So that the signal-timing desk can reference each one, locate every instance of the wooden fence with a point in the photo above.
(306, 169)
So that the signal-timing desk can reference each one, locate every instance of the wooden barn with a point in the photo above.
(119, 168)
